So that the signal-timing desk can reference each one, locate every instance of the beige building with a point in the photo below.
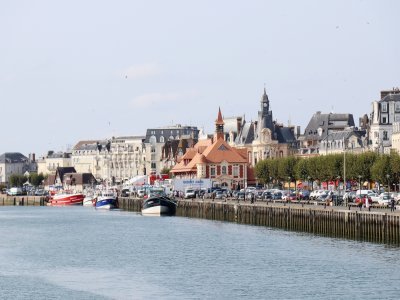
(396, 137)
(48, 164)
(118, 159)
(385, 113)
(12, 163)
(347, 140)
(264, 138)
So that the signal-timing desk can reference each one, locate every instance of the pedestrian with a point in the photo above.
(392, 203)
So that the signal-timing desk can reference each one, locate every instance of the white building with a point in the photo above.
(118, 159)
(385, 113)
(157, 142)
(12, 163)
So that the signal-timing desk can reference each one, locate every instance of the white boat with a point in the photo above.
(106, 200)
(89, 200)
(157, 206)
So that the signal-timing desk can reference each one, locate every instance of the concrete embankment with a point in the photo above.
(374, 226)
(22, 200)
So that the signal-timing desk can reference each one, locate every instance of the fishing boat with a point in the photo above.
(106, 200)
(90, 200)
(159, 205)
(66, 198)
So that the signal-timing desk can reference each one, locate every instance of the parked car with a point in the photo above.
(384, 199)
(323, 197)
(374, 197)
(189, 193)
(277, 196)
(219, 195)
(240, 196)
(361, 198)
(303, 195)
(267, 195)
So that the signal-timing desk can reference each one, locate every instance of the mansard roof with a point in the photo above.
(390, 97)
(321, 125)
(285, 134)
(89, 145)
(344, 135)
(174, 132)
(247, 134)
(12, 158)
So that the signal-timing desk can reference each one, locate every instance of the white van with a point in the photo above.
(15, 191)
(189, 193)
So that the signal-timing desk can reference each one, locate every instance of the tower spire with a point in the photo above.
(219, 126)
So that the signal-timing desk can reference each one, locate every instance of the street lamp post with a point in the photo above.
(359, 183)
(388, 177)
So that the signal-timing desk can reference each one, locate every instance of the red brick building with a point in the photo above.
(214, 159)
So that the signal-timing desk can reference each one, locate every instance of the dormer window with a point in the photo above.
(384, 107)
(397, 106)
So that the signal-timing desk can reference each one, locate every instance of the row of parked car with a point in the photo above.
(17, 191)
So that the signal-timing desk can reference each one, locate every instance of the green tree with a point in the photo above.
(16, 180)
(36, 179)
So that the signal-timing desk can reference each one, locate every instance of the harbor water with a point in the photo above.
(81, 253)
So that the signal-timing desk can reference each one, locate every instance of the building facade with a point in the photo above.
(214, 159)
(15, 163)
(385, 113)
(49, 163)
(116, 160)
(265, 138)
(158, 143)
(319, 128)
(347, 140)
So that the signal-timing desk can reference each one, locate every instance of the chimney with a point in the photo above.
(298, 131)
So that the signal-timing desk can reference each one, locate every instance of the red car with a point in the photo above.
(362, 198)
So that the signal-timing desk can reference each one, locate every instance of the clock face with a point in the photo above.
(265, 104)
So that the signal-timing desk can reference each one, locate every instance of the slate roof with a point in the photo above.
(327, 123)
(345, 134)
(285, 135)
(390, 97)
(13, 158)
(247, 134)
(175, 131)
(64, 170)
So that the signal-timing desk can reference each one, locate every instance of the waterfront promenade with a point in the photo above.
(377, 225)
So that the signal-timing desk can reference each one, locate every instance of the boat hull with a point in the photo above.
(66, 199)
(106, 203)
(89, 201)
(159, 206)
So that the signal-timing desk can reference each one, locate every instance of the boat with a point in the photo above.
(159, 205)
(106, 200)
(66, 198)
(89, 200)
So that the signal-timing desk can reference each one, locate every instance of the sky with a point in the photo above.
(80, 70)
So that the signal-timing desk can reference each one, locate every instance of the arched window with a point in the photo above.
(223, 170)
(153, 140)
(161, 139)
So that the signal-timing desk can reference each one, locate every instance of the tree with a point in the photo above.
(36, 179)
(165, 170)
(16, 180)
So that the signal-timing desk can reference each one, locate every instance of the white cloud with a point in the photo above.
(142, 71)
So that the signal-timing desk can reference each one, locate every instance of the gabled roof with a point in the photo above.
(13, 158)
(61, 171)
(221, 151)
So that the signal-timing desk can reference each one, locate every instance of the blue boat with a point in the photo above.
(106, 200)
